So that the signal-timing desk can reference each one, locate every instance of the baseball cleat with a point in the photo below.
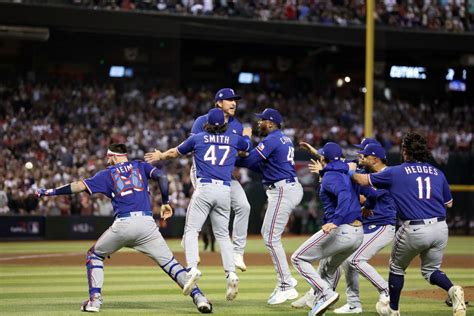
(92, 305)
(348, 309)
(232, 286)
(323, 305)
(202, 303)
(384, 309)
(280, 295)
(456, 293)
(191, 278)
(306, 300)
(239, 262)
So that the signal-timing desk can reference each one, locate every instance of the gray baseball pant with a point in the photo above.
(332, 249)
(140, 233)
(209, 199)
(241, 206)
(428, 241)
(357, 263)
(282, 199)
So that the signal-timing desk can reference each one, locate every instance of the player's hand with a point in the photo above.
(362, 199)
(247, 132)
(243, 154)
(153, 156)
(328, 227)
(366, 212)
(310, 149)
(166, 211)
(352, 166)
(44, 192)
(315, 166)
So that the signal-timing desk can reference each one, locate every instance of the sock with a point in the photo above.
(440, 279)
(395, 284)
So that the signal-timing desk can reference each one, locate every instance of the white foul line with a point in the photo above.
(51, 255)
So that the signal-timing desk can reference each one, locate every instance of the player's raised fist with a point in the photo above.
(352, 166)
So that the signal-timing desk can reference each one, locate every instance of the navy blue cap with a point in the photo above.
(331, 151)
(271, 115)
(226, 94)
(366, 141)
(373, 150)
(215, 116)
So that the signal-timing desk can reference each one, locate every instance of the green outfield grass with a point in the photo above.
(131, 290)
(458, 245)
(148, 291)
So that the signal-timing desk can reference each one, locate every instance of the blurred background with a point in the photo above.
(77, 75)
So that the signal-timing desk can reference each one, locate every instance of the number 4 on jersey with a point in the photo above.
(211, 156)
(291, 155)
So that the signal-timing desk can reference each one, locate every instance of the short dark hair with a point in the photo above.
(118, 148)
(216, 129)
(416, 148)
(384, 160)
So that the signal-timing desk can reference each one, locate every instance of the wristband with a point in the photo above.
(350, 173)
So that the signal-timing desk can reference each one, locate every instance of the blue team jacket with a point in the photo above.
(340, 197)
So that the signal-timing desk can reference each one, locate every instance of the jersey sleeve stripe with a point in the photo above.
(179, 151)
(260, 153)
(152, 170)
(370, 181)
(448, 202)
(87, 187)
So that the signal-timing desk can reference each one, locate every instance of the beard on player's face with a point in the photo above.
(262, 128)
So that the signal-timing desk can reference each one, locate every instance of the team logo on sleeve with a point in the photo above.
(261, 147)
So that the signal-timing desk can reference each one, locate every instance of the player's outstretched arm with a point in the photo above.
(359, 178)
(310, 149)
(71, 188)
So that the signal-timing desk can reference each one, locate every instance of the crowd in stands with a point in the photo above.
(438, 15)
(64, 130)
(441, 15)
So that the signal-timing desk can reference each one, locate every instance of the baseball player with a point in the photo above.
(226, 99)
(379, 231)
(422, 195)
(126, 184)
(274, 158)
(214, 154)
(341, 233)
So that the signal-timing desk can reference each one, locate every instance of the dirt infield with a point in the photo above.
(207, 259)
(439, 294)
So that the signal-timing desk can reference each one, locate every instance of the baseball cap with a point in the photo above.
(373, 150)
(226, 94)
(215, 116)
(331, 151)
(366, 141)
(271, 115)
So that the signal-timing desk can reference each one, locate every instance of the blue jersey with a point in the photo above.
(419, 189)
(381, 202)
(273, 157)
(340, 197)
(126, 184)
(234, 127)
(214, 154)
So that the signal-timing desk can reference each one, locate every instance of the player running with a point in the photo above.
(274, 158)
(340, 235)
(214, 154)
(422, 195)
(379, 219)
(126, 184)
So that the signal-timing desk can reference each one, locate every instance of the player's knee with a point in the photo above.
(295, 259)
(92, 257)
(426, 274)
